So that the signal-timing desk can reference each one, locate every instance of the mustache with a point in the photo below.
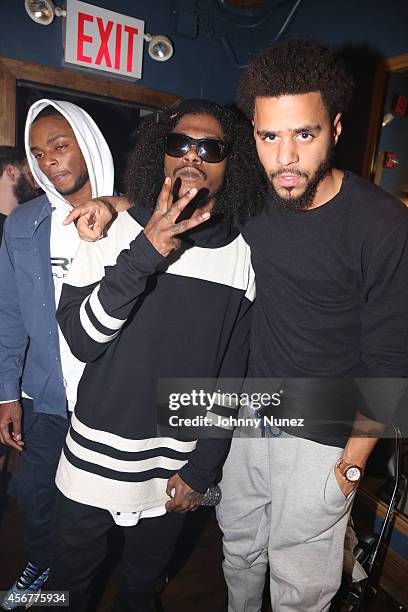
(179, 171)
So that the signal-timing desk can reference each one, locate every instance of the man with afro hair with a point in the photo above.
(329, 331)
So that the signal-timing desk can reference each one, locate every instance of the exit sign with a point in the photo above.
(103, 40)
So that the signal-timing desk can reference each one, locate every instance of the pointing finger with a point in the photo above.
(73, 216)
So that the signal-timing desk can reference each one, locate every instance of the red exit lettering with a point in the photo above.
(132, 32)
(105, 32)
(82, 17)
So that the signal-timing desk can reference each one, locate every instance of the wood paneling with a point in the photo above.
(394, 568)
(380, 508)
(12, 70)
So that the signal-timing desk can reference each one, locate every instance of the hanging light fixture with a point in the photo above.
(160, 47)
(43, 11)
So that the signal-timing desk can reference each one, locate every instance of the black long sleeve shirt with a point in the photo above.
(332, 302)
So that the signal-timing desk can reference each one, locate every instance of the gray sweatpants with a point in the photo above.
(282, 505)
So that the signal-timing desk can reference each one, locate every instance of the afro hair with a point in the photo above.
(296, 67)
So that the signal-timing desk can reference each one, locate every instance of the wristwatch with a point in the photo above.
(349, 471)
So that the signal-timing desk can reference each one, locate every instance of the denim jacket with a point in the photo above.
(29, 346)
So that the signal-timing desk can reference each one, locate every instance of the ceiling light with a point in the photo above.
(43, 11)
(160, 47)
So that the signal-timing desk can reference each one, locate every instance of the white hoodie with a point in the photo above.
(64, 240)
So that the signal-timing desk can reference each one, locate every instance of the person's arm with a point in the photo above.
(13, 344)
(95, 303)
(94, 218)
(203, 466)
(384, 333)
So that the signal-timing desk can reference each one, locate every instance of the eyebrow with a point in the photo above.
(306, 128)
(52, 139)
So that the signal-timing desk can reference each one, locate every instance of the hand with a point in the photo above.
(162, 228)
(10, 414)
(185, 498)
(93, 218)
(345, 486)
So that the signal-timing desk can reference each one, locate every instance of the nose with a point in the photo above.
(287, 152)
(192, 156)
(48, 160)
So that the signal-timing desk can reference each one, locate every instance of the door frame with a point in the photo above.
(13, 70)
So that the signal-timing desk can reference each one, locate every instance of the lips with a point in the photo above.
(188, 173)
(55, 178)
(288, 180)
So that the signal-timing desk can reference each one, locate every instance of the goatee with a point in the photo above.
(305, 199)
(79, 183)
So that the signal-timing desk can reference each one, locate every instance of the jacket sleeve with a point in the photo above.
(13, 335)
(97, 300)
(206, 460)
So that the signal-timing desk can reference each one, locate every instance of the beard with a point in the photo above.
(23, 189)
(305, 199)
(79, 183)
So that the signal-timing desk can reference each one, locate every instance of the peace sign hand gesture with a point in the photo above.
(162, 229)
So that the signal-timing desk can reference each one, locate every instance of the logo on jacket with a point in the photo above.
(60, 266)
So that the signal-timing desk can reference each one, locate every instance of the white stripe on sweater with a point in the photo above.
(119, 465)
(127, 445)
(90, 329)
(102, 316)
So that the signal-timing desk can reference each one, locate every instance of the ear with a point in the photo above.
(11, 172)
(337, 127)
(253, 127)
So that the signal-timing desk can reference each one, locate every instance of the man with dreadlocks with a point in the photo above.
(167, 294)
(330, 255)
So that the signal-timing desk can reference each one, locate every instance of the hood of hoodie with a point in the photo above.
(93, 145)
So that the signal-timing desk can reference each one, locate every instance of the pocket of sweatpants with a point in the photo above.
(333, 495)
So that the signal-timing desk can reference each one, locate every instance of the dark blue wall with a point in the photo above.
(201, 67)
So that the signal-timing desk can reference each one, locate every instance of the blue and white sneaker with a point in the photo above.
(28, 584)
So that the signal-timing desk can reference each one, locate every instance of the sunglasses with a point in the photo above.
(211, 150)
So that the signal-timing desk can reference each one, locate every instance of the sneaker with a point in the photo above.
(29, 582)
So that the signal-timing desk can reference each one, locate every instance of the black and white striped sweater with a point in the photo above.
(135, 317)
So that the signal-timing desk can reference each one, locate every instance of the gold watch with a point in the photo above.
(349, 471)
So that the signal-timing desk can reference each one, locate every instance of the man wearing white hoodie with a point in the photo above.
(71, 161)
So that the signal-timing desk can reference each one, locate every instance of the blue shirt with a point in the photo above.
(29, 346)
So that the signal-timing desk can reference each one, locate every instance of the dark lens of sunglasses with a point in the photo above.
(210, 150)
(177, 145)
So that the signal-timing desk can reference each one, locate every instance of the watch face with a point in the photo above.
(353, 474)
